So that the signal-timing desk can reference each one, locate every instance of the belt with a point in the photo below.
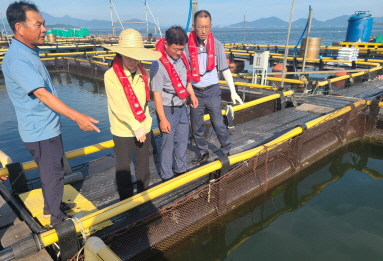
(174, 95)
(204, 88)
(177, 106)
(173, 106)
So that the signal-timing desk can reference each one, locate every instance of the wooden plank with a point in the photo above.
(40, 256)
(7, 216)
(317, 109)
(14, 233)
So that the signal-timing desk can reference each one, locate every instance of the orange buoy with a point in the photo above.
(278, 68)
(235, 65)
(342, 82)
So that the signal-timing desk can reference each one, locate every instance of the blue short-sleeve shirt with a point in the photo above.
(24, 73)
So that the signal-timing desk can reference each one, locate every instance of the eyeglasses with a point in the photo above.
(178, 49)
(201, 28)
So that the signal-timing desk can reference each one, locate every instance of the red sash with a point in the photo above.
(193, 52)
(174, 77)
(139, 114)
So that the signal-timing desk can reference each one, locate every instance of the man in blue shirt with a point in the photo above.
(36, 104)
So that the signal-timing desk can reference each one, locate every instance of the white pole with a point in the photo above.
(111, 17)
(117, 15)
(5, 30)
(155, 21)
(287, 44)
(147, 24)
(158, 26)
(244, 29)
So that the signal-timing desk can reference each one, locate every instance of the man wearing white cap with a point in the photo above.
(128, 92)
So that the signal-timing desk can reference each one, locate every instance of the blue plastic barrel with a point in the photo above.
(359, 26)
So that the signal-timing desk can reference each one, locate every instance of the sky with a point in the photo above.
(224, 12)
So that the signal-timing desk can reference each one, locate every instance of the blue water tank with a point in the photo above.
(359, 26)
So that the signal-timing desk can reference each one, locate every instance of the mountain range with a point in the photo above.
(70, 22)
(92, 24)
(66, 21)
(340, 21)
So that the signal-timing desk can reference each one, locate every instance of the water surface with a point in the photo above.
(84, 95)
(331, 211)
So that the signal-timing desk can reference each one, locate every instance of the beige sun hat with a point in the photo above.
(130, 44)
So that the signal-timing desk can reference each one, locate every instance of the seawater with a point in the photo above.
(84, 95)
(330, 211)
(273, 36)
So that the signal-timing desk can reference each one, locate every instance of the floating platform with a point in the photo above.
(254, 127)
(34, 202)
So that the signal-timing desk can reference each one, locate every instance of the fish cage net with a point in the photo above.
(169, 229)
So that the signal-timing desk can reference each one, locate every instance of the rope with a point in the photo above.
(77, 221)
(79, 252)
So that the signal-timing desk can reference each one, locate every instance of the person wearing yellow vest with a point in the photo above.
(127, 89)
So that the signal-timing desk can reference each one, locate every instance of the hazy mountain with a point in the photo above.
(61, 26)
(263, 22)
(340, 21)
(50, 20)
(303, 21)
(68, 22)
(91, 24)
(337, 21)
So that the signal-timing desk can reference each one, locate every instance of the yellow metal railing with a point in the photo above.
(253, 103)
(361, 47)
(330, 60)
(340, 78)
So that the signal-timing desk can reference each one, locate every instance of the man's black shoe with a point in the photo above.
(164, 180)
(176, 174)
(201, 157)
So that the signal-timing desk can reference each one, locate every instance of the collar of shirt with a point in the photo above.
(201, 47)
(25, 47)
(172, 60)
(129, 74)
